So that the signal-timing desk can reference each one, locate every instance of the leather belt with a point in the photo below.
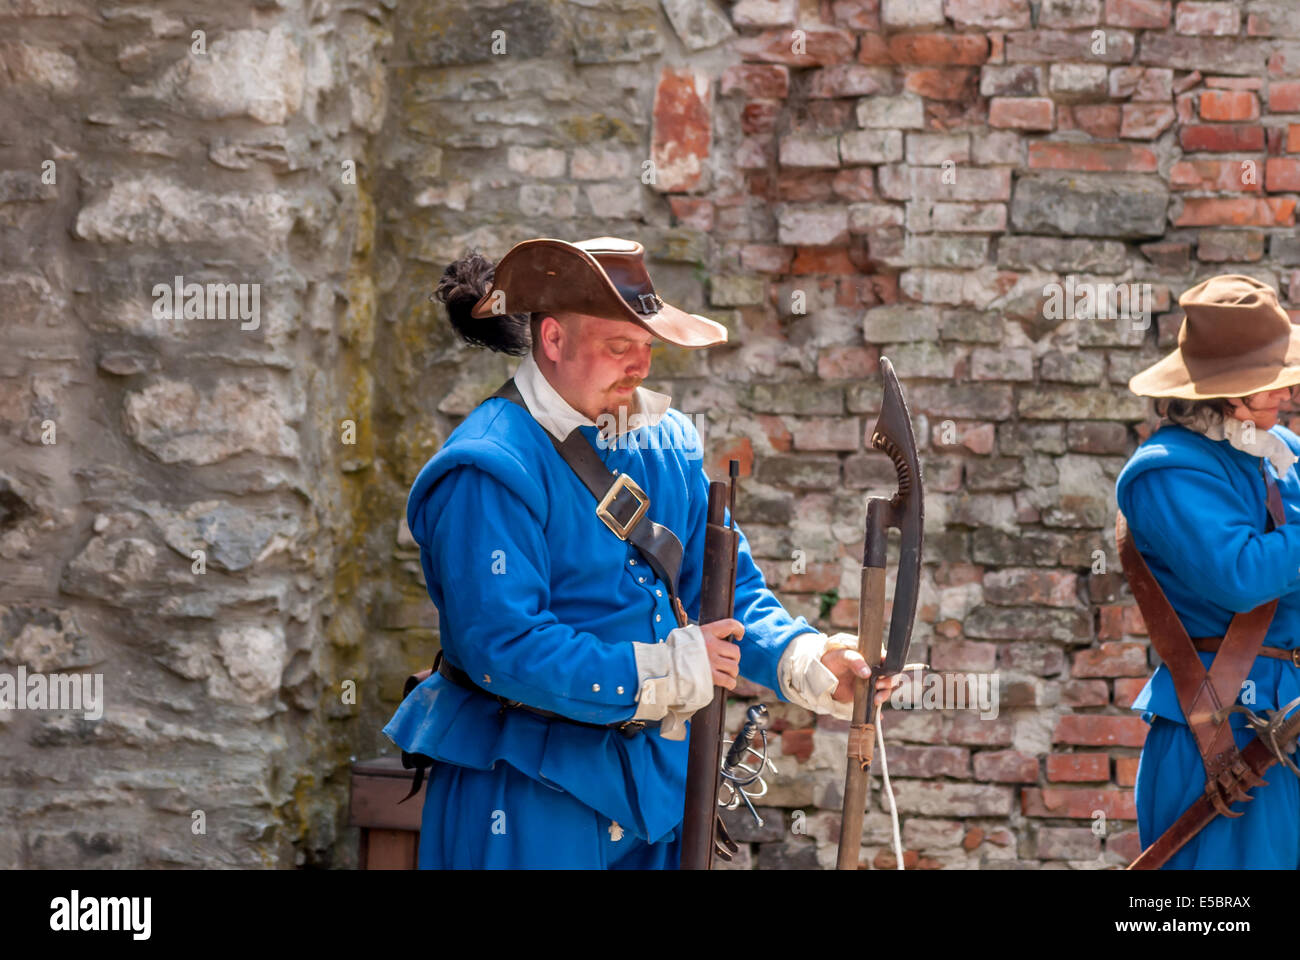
(1212, 644)
(628, 728)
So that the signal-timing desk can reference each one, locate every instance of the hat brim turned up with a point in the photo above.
(549, 275)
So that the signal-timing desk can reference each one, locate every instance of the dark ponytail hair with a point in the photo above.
(462, 285)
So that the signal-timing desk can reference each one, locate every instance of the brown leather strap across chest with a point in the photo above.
(1202, 693)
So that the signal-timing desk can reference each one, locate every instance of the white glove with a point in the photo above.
(807, 681)
(674, 680)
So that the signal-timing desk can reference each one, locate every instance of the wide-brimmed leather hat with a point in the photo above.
(1235, 340)
(603, 277)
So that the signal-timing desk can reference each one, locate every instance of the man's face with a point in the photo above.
(598, 363)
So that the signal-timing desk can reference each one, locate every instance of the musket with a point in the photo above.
(1275, 737)
(893, 436)
(703, 833)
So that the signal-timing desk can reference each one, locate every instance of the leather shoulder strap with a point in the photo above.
(656, 543)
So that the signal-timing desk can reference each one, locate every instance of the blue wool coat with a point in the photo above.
(539, 602)
(1197, 513)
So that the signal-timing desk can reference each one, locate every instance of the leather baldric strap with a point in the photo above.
(620, 503)
(1201, 693)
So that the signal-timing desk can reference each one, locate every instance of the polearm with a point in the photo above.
(702, 828)
(1274, 739)
(892, 435)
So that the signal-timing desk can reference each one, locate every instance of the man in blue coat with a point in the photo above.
(557, 718)
(1196, 497)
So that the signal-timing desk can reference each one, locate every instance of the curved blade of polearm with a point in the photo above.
(904, 511)
(893, 436)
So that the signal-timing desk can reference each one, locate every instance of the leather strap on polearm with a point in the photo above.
(1204, 695)
(659, 545)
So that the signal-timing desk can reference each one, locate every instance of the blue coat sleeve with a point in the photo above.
(1199, 526)
(488, 555)
(769, 628)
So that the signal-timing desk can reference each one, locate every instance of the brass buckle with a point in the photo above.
(1295, 657)
(602, 509)
(630, 728)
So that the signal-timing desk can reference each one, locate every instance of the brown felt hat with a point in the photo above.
(1235, 340)
(604, 277)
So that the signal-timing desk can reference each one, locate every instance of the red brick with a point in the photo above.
(1282, 174)
(1185, 107)
(1006, 766)
(760, 116)
(692, 212)
(848, 363)
(765, 257)
(973, 838)
(1235, 83)
(797, 743)
(1085, 693)
(874, 51)
(778, 434)
(1077, 803)
(1284, 96)
(1216, 175)
(1021, 586)
(844, 80)
(820, 47)
(1068, 843)
(929, 762)
(1127, 845)
(857, 183)
(1145, 121)
(1139, 14)
(1100, 120)
(1134, 625)
(1229, 105)
(1293, 138)
(1284, 62)
(1208, 19)
(732, 448)
(1021, 113)
(816, 578)
(857, 14)
(1111, 659)
(968, 655)
(939, 49)
(1246, 211)
(957, 574)
(940, 84)
(1127, 689)
(756, 80)
(823, 260)
(1093, 730)
(989, 14)
(844, 615)
(1102, 157)
(1227, 138)
(683, 125)
(1078, 767)
(968, 728)
(1111, 626)
(1126, 771)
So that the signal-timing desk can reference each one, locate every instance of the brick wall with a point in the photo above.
(838, 181)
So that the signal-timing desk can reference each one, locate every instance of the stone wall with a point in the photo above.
(180, 511)
(834, 181)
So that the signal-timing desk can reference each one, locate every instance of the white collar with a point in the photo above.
(1256, 442)
(556, 415)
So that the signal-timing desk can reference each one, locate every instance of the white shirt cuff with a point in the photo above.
(674, 680)
(806, 681)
